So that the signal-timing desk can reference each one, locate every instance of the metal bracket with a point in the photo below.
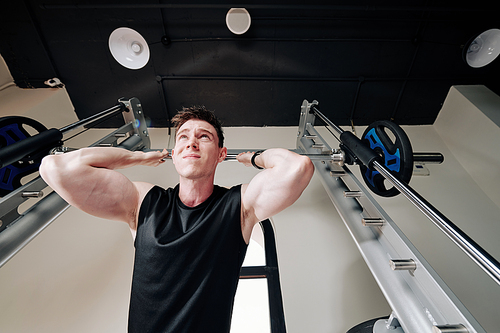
(136, 117)
(17, 230)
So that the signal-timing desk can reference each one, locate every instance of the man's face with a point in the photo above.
(196, 152)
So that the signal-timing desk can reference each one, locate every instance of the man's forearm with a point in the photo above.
(86, 179)
(277, 157)
(109, 158)
(66, 169)
(116, 158)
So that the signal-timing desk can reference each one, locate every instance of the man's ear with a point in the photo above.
(222, 154)
(172, 156)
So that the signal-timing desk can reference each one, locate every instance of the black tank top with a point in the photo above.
(187, 262)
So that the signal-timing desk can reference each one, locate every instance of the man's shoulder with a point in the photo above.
(226, 189)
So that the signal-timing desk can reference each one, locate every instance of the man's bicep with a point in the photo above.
(273, 190)
(266, 196)
(102, 193)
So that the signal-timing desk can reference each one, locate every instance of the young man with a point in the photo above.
(190, 240)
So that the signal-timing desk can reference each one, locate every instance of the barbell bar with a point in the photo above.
(336, 156)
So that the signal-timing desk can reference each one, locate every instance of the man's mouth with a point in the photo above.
(189, 156)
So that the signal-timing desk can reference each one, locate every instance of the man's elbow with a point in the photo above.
(305, 169)
(45, 167)
(48, 168)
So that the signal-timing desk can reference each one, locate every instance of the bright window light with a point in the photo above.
(251, 307)
(255, 252)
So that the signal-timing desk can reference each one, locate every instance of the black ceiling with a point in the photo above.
(362, 61)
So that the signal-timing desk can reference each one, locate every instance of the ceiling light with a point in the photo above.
(129, 48)
(483, 49)
(238, 20)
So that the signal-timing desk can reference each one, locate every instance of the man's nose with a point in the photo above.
(192, 143)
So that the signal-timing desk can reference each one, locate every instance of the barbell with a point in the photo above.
(21, 152)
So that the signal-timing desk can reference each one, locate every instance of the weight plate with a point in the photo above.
(14, 129)
(391, 142)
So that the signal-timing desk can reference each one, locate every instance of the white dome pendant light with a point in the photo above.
(129, 48)
(483, 49)
(238, 20)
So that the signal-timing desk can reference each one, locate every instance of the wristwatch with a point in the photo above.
(257, 153)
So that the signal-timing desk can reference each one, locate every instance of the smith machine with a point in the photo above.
(419, 299)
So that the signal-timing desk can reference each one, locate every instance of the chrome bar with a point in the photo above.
(327, 121)
(489, 264)
(109, 112)
(335, 156)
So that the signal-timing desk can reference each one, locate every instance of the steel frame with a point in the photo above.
(419, 298)
(20, 229)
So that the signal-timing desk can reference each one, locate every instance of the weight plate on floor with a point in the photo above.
(391, 142)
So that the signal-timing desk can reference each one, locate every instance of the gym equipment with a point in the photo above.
(411, 286)
(420, 300)
(15, 129)
(397, 154)
(17, 230)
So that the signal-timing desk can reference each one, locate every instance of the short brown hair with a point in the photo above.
(201, 113)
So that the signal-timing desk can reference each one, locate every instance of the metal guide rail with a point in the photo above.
(419, 298)
(17, 230)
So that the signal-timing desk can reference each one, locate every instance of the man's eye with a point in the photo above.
(205, 136)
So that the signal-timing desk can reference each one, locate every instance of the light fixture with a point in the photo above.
(129, 48)
(238, 20)
(483, 49)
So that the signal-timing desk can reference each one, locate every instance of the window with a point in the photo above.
(258, 304)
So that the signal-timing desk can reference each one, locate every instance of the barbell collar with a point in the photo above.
(365, 154)
(18, 150)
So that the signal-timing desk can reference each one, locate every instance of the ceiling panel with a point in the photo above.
(362, 62)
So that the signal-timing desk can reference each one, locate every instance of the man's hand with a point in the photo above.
(245, 158)
(155, 158)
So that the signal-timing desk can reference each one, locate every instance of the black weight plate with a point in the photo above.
(391, 142)
(13, 129)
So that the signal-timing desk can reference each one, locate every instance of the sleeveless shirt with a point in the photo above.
(187, 262)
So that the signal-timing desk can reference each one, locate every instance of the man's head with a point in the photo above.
(201, 113)
(199, 145)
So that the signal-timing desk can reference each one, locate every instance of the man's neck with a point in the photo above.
(194, 192)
